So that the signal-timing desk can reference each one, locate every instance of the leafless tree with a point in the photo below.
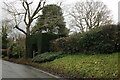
(6, 27)
(90, 14)
(26, 15)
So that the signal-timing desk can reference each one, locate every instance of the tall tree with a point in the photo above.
(25, 14)
(90, 14)
(51, 20)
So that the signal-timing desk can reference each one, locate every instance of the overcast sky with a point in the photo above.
(112, 5)
(119, 12)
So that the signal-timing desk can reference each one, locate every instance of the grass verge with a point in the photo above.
(86, 66)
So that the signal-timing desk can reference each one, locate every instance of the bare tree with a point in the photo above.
(6, 27)
(90, 14)
(26, 14)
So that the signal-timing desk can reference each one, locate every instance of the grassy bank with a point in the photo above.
(86, 66)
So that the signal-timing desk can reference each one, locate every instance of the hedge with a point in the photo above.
(40, 42)
(105, 39)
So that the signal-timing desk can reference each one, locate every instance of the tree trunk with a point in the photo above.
(26, 45)
(28, 55)
(28, 49)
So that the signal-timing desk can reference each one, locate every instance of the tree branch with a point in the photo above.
(28, 10)
(36, 17)
(23, 3)
(16, 26)
(38, 8)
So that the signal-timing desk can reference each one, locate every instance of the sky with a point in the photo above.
(111, 4)
(0, 12)
(119, 12)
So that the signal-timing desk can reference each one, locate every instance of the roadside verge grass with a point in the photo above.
(86, 66)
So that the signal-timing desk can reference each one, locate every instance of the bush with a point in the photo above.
(58, 44)
(100, 40)
(16, 51)
(66, 44)
(104, 39)
(48, 56)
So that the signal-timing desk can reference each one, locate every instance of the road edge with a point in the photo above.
(38, 69)
(45, 72)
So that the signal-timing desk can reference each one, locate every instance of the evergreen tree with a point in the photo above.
(51, 21)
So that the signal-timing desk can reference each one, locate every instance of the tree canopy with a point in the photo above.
(51, 20)
(87, 15)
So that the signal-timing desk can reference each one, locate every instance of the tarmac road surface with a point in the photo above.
(13, 70)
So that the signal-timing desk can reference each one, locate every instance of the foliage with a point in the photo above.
(100, 40)
(66, 44)
(58, 44)
(6, 29)
(40, 42)
(4, 41)
(84, 66)
(48, 56)
(46, 38)
(51, 20)
(16, 47)
(16, 51)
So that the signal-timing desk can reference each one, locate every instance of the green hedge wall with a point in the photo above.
(40, 42)
(105, 39)
(46, 38)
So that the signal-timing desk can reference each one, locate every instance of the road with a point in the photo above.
(13, 70)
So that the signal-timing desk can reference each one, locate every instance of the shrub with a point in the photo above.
(100, 40)
(58, 44)
(48, 56)
(66, 44)
(16, 51)
(104, 39)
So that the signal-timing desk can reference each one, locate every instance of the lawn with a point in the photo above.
(86, 66)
